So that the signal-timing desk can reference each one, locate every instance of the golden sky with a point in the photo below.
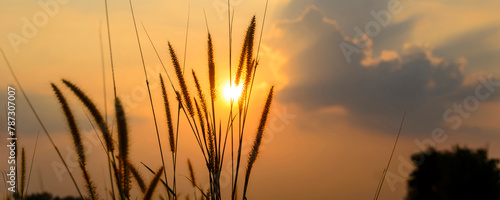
(335, 116)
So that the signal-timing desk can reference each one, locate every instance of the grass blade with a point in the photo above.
(390, 158)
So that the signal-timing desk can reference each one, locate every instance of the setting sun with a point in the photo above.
(232, 93)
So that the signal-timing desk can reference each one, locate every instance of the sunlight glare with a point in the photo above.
(232, 93)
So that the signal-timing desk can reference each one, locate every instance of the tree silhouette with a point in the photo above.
(458, 174)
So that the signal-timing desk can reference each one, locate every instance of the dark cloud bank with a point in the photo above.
(375, 90)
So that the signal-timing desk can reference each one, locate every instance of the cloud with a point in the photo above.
(375, 90)
(479, 51)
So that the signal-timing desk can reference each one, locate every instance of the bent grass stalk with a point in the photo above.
(77, 141)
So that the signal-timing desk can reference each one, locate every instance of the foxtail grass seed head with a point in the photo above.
(260, 131)
(203, 101)
(211, 69)
(200, 116)
(153, 184)
(121, 122)
(182, 81)
(241, 62)
(247, 47)
(191, 174)
(77, 141)
(123, 147)
(170, 127)
(250, 41)
(138, 178)
(258, 139)
(70, 119)
(211, 148)
(95, 114)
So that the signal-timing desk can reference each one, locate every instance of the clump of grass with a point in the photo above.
(211, 138)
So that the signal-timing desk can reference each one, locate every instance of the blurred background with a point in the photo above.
(345, 72)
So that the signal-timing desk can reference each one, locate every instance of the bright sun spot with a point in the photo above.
(232, 92)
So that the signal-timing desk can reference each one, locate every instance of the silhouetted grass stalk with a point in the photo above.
(23, 173)
(77, 141)
(31, 165)
(258, 140)
(390, 158)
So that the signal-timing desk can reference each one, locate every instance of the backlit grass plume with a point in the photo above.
(153, 184)
(245, 50)
(96, 114)
(170, 127)
(258, 140)
(182, 81)
(200, 118)
(138, 178)
(211, 69)
(77, 141)
(191, 174)
(201, 96)
(123, 148)
(249, 48)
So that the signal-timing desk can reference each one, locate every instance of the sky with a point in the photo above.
(344, 71)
